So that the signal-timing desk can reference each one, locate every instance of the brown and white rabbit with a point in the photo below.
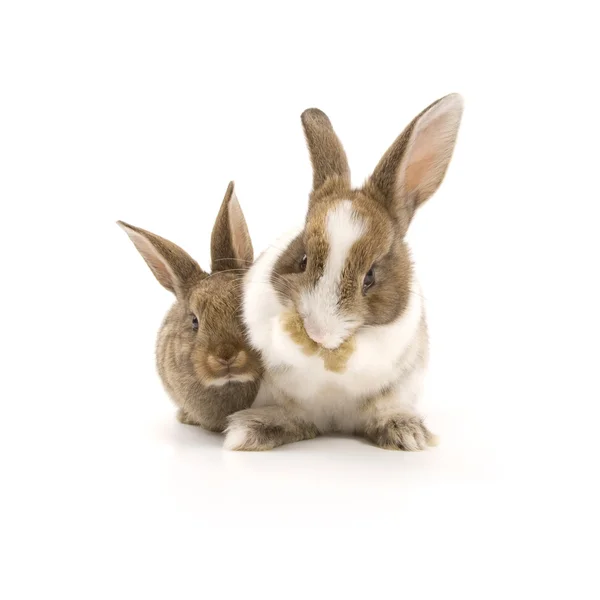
(341, 329)
(203, 358)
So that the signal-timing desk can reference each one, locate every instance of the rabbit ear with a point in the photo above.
(326, 151)
(231, 247)
(414, 166)
(174, 268)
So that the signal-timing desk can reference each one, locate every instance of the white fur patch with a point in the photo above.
(221, 381)
(261, 304)
(319, 306)
(236, 437)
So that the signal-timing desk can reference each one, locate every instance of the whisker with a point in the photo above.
(234, 259)
(244, 270)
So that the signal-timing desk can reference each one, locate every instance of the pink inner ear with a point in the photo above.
(416, 173)
(240, 238)
(430, 149)
(159, 267)
(428, 156)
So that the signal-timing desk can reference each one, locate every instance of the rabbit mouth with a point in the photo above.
(225, 368)
(231, 378)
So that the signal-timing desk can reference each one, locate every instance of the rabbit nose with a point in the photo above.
(227, 358)
(224, 361)
(226, 355)
(314, 332)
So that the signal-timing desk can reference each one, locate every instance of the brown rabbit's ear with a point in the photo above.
(174, 268)
(414, 166)
(326, 151)
(231, 247)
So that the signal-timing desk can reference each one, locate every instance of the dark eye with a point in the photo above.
(194, 322)
(302, 263)
(369, 280)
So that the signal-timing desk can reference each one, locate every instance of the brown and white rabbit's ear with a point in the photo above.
(414, 166)
(327, 154)
(174, 268)
(230, 247)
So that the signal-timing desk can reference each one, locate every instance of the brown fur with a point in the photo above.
(189, 362)
(230, 243)
(327, 153)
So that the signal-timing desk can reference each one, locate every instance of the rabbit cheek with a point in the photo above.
(291, 323)
(200, 364)
(285, 278)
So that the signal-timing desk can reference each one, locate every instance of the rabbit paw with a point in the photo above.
(184, 418)
(251, 436)
(265, 428)
(401, 432)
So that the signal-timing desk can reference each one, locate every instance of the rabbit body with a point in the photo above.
(335, 309)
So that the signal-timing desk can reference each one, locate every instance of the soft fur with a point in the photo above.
(208, 368)
(341, 328)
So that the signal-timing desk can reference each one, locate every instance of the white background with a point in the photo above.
(143, 111)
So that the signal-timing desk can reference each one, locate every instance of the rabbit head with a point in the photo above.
(350, 266)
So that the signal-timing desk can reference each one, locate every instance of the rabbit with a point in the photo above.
(203, 359)
(341, 328)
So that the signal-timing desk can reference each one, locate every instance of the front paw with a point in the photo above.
(266, 428)
(248, 432)
(184, 418)
(402, 432)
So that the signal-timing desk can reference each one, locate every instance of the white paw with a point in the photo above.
(236, 437)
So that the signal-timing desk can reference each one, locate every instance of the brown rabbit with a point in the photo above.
(202, 355)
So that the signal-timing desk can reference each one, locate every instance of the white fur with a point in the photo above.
(236, 437)
(221, 381)
(261, 304)
(333, 401)
(319, 306)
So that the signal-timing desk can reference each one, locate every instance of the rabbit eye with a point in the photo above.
(302, 264)
(369, 280)
(194, 322)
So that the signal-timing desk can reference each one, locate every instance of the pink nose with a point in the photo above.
(314, 333)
